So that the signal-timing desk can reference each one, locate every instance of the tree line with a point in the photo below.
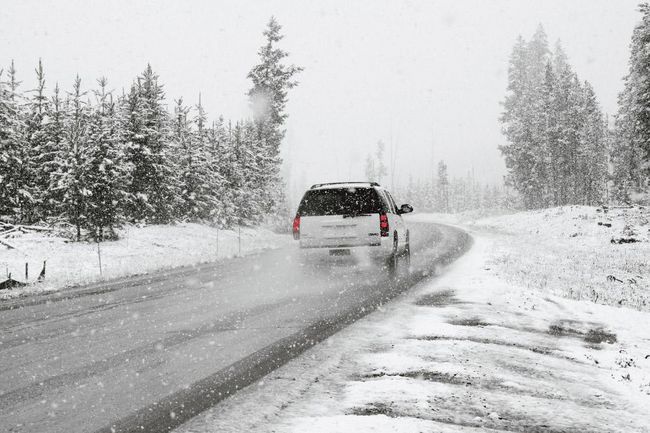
(95, 159)
(557, 136)
(630, 153)
(440, 192)
(560, 147)
(445, 194)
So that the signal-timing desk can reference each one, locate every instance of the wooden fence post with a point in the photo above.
(99, 257)
(239, 238)
(41, 277)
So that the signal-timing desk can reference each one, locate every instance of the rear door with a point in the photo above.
(340, 217)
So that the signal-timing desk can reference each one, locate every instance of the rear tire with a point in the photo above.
(407, 255)
(392, 264)
(399, 262)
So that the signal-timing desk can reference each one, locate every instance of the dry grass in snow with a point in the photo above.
(577, 252)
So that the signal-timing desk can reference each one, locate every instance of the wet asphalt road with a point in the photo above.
(147, 353)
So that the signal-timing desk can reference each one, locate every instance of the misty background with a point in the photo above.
(426, 78)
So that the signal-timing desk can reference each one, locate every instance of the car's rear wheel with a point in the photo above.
(399, 262)
(393, 260)
(407, 254)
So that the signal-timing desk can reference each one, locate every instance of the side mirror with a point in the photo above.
(405, 208)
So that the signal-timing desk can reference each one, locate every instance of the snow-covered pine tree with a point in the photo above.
(181, 137)
(53, 158)
(381, 169)
(498, 197)
(575, 123)
(107, 174)
(369, 169)
(272, 79)
(40, 153)
(537, 54)
(592, 169)
(18, 173)
(487, 200)
(565, 140)
(534, 151)
(207, 167)
(521, 119)
(443, 188)
(552, 156)
(430, 191)
(626, 154)
(258, 176)
(154, 185)
(70, 176)
(242, 205)
(197, 174)
(516, 151)
(375, 169)
(220, 153)
(9, 153)
(631, 150)
(475, 196)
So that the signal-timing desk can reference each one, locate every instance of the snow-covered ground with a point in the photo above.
(473, 350)
(578, 252)
(139, 250)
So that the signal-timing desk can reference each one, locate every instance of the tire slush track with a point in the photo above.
(163, 289)
(95, 309)
(173, 410)
(162, 285)
(21, 395)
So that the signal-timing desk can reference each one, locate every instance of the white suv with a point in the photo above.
(353, 216)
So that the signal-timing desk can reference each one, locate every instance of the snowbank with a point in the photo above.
(139, 250)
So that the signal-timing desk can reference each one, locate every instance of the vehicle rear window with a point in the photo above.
(340, 201)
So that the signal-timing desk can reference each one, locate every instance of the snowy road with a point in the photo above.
(153, 351)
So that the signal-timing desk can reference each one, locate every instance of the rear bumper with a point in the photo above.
(337, 245)
(380, 247)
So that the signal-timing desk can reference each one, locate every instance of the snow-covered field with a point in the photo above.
(474, 350)
(578, 252)
(139, 250)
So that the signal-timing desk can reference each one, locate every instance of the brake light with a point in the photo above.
(296, 227)
(383, 224)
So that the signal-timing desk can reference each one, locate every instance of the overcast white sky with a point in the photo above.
(429, 74)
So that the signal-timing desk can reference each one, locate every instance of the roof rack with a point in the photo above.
(318, 185)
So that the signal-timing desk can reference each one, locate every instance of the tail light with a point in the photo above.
(296, 227)
(383, 225)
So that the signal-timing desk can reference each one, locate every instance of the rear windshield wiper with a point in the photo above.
(353, 215)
